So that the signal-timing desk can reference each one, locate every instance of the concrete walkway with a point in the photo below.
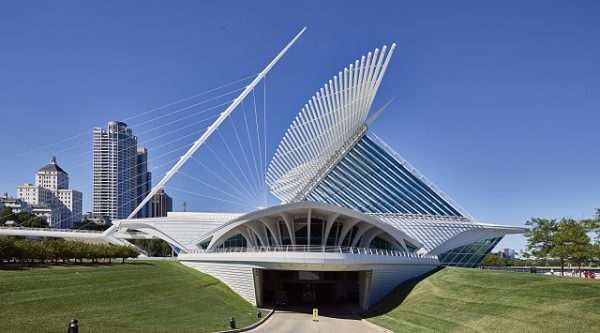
(301, 321)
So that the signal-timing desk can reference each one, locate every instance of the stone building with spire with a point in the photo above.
(51, 193)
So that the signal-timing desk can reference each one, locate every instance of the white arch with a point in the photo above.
(259, 222)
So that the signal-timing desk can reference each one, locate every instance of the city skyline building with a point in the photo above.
(114, 171)
(51, 197)
(162, 204)
(144, 182)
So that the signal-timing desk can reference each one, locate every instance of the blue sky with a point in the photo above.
(496, 102)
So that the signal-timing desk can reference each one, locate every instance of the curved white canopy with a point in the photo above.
(254, 226)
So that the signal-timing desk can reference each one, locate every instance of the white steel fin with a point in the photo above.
(333, 118)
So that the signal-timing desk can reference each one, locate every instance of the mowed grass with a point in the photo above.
(151, 296)
(472, 300)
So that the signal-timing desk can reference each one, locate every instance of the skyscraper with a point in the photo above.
(161, 204)
(144, 182)
(115, 171)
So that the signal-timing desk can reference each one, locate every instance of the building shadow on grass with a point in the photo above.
(398, 295)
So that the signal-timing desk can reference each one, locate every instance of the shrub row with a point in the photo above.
(55, 250)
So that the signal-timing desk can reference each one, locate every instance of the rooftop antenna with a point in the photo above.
(213, 127)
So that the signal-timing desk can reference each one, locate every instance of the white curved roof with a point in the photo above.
(329, 122)
(434, 231)
(333, 213)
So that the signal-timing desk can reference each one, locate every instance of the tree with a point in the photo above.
(29, 220)
(7, 248)
(541, 236)
(87, 224)
(124, 252)
(6, 215)
(492, 260)
(572, 243)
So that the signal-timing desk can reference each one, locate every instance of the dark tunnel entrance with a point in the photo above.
(283, 288)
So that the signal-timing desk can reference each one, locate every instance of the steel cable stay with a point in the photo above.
(248, 136)
(202, 140)
(247, 175)
(205, 196)
(241, 200)
(190, 107)
(258, 141)
(137, 134)
(133, 117)
(234, 188)
(241, 146)
(248, 191)
(153, 158)
(144, 144)
(265, 166)
(250, 184)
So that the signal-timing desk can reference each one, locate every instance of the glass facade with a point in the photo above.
(370, 180)
(235, 241)
(469, 255)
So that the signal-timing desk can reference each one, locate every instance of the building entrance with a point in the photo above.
(282, 288)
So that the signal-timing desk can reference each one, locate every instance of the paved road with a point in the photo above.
(289, 321)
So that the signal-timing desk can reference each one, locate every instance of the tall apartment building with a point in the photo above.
(161, 204)
(144, 182)
(51, 197)
(115, 171)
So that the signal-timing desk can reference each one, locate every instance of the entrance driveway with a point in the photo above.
(290, 320)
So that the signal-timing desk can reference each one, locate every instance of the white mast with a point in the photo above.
(213, 127)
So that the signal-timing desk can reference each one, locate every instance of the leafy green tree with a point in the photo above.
(25, 251)
(166, 249)
(87, 224)
(28, 251)
(29, 220)
(572, 243)
(541, 236)
(124, 252)
(492, 260)
(6, 215)
(7, 249)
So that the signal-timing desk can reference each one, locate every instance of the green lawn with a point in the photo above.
(472, 300)
(151, 296)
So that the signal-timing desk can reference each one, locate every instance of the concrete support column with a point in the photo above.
(257, 274)
(308, 218)
(364, 288)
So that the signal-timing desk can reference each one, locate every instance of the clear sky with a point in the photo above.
(497, 102)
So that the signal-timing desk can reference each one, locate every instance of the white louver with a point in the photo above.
(325, 125)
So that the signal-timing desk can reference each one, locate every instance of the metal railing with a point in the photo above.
(51, 229)
(316, 249)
